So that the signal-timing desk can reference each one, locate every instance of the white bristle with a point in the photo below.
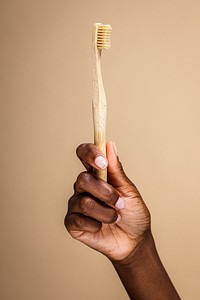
(103, 36)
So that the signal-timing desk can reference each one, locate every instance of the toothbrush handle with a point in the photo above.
(99, 121)
(100, 142)
(99, 110)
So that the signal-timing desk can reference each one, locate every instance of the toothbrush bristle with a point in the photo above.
(103, 36)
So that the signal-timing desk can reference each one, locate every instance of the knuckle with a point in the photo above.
(73, 222)
(82, 180)
(86, 205)
(112, 195)
(83, 149)
(67, 222)
(88, 148)
(70, 203)
(108, 191)
(78, 222)
(79, 150)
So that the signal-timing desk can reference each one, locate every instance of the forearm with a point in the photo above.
(143, 274)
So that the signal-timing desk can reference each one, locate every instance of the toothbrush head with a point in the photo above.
(103, 36)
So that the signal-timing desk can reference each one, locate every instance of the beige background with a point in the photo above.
(152, 80)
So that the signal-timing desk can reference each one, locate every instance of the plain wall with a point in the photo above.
(152, 80)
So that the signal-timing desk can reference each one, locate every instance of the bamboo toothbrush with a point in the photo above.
(101, 41)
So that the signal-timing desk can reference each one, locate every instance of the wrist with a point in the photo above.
(146, 247)
(143, 274)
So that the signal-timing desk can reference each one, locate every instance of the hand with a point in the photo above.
(110, 217)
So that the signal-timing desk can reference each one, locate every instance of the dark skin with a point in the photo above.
(112, 218)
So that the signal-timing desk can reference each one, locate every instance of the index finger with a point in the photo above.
(91, 157)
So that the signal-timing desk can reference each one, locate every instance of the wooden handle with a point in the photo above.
(99, 104)
(100, 141)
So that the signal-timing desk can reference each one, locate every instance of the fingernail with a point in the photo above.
(115, 148)
(100, 162)
(120, 203)
(118, 219)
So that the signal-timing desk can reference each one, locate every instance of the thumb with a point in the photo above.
(116, 175)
